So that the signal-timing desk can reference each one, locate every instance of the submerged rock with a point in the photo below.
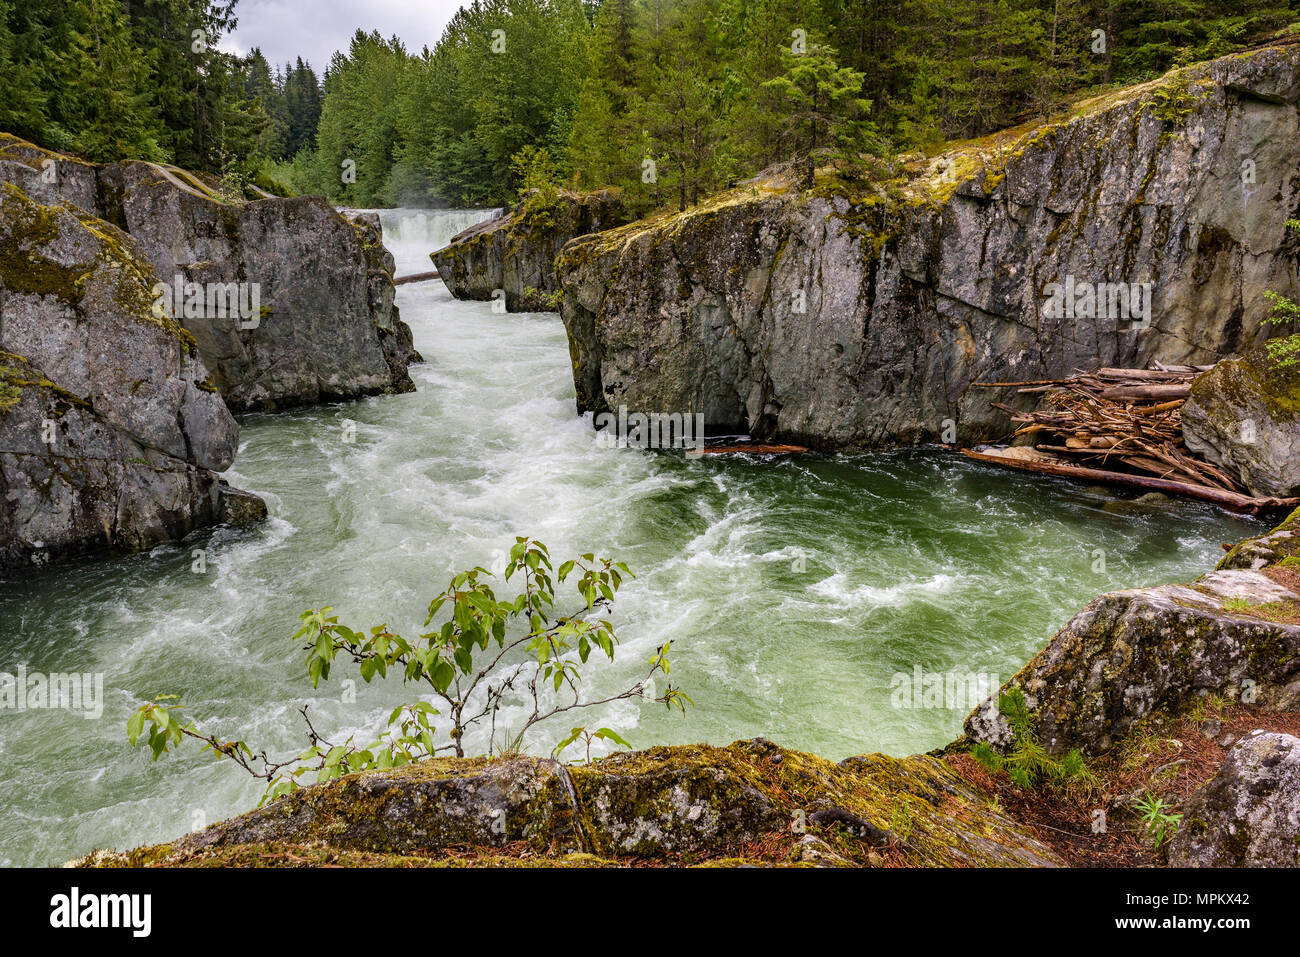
(316, 285)
(111, 432)
(515, 251)
(1248, 814)
(1244, 415)
(666, 805)
(1142, 505)
(838, 320)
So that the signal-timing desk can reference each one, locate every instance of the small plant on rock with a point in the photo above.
(1027, 761)
(488, 653)
(1284, 351)
(1158, 823)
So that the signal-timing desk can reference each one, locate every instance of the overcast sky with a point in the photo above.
(314, 29)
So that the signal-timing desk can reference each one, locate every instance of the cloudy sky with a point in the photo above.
(314, 29)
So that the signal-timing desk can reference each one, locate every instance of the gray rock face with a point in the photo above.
(1131, 653)
(515, 252)
(325, 326)
(1244, 415)
(834, 321)
(1248, 814)
(111, 434)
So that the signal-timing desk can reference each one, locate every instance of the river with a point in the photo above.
(794, 590)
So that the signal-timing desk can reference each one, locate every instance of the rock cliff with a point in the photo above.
(515, 251)
(111, 430)
(320, 284)
(842, 317)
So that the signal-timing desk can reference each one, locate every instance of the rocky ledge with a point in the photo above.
(1167, 692)
(513, 255)
(855, 315)
(672, 805)
(316, 288)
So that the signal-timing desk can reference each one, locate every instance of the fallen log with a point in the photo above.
(1232, 501)
(415, 277)
(1130, 393)
(749, 449)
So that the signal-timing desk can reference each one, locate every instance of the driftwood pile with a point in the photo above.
(1121, 427)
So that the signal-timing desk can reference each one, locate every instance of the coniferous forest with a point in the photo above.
(583, 93)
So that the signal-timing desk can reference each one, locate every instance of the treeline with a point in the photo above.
(672, 99)
(667, 99)
(143, 79)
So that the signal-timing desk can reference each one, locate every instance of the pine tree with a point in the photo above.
(823, 104)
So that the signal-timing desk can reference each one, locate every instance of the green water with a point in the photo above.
(793, 590)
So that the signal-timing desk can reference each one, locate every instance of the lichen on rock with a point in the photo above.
(1244, 415)
(1248, 814)
(752, 802)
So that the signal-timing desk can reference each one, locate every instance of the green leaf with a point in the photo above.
(135, 725)
(610, 735)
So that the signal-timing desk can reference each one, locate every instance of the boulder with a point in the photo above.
(515, 251)
(111, 430)
(1244, 416)
(1248, 814)
(326, 327)
(855, 317)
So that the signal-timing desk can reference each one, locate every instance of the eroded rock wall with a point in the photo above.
(111, 431)
(326, 327)
(515, 251)
(863, 320)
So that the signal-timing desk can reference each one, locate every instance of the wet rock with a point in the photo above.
(1248, 814)
(239, 509)
(1244, 415)
(515, 252)
(842, 321)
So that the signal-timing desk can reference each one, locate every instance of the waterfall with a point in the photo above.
(411, 234)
